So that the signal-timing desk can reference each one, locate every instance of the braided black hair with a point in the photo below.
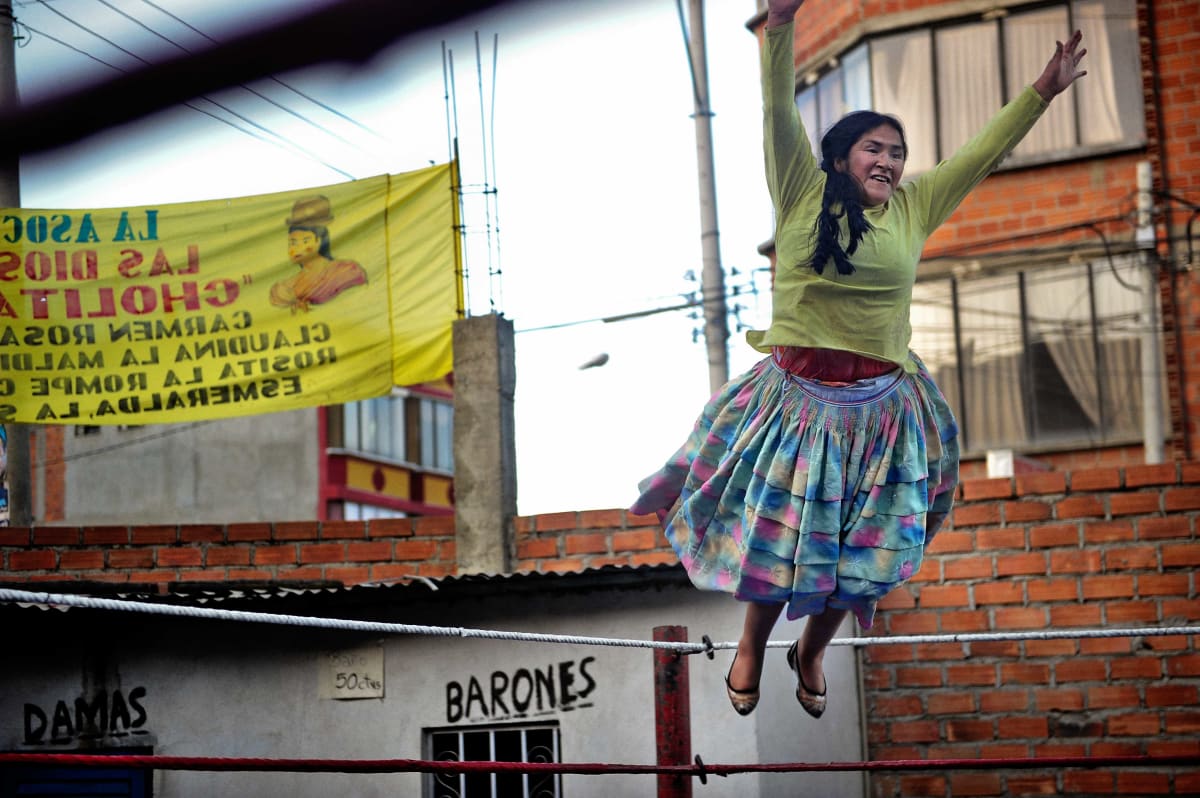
(843, 192)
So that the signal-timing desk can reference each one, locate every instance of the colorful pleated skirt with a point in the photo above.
(794, 491)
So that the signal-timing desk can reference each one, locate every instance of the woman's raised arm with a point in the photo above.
(1062, 70)
(781, 12)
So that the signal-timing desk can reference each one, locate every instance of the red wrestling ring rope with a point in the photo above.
(699, 769)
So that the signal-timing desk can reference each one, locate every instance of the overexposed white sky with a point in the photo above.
(597, 204)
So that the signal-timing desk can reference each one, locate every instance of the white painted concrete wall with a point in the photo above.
(239, 690)
(257, 468)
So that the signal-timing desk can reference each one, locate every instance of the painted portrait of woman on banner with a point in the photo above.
(321, 276)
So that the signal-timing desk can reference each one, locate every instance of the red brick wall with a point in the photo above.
(573, 541)
(1090, 548)
(49, 441)
(345, 552)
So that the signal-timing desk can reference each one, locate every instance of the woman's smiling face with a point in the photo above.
(876, 162)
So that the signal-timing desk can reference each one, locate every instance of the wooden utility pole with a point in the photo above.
(20, 493)
(712, 282)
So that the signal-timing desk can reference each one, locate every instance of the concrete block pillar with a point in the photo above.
(485, 461)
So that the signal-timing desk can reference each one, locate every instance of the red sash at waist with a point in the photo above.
(829, 365)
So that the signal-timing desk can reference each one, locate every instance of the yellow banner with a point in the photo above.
(205, 310)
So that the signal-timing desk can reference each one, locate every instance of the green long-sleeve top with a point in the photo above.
(866, 312)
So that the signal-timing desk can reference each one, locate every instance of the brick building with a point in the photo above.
(1031, 305)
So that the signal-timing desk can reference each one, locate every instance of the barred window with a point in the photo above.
(535, 743)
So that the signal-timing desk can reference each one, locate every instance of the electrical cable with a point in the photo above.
(272, 78)
(243, 86)
(99, 60)
(730, 292)
(282, 141)
(173, 429)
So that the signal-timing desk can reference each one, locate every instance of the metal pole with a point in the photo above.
(1152, 396)
(712, 282)
(20, 493)
(672, 712)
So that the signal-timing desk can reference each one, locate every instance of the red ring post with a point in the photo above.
(672, 712)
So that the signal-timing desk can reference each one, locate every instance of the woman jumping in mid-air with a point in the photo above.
(815, 480)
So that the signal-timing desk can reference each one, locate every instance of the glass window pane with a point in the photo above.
(445, 436)
(902, 85)
(541, 745)
(477, 747)
(368, 426)
(427, 433)
(1062, 353)
(383, 417)
(806, 102)
(856, 81)
(1028, 41)
(508, 749)
(396, 446)
(1119, 316)
(1110, 97)
(505, 744)
(350, 425)
(968, 82)
(990, 319)
(933, 336)
(831, 102)
(445, 747)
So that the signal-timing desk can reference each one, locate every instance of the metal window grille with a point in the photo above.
(537, 743)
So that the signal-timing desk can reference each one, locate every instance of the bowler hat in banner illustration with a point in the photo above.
(311, 211)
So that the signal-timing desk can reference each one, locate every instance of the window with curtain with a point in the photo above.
(968, 83)
(437, 433)
(402, 427)
(355, 511)
(946, 80)
(900, 68)
(376, 426)
(1038, 357)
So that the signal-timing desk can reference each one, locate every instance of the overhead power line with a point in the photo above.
(272, 78)
(735, 291)
(351, 31)
(276, 139)
(307, 120)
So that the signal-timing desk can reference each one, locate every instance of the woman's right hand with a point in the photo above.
(781, 12)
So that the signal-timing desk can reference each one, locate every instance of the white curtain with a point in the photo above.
(933, 324)
(1110, 97)
(830, 99)
(1058, 302)
(990, 319)
(968, 81)
(1028, 43)
(902, 85)
(1119, 314)
(806, 102)
(856, 79)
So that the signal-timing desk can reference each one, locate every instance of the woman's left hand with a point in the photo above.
(1063, 68)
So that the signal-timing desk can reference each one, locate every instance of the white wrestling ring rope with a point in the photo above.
(61, 600)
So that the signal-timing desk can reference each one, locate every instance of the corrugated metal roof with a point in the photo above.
(319, 596)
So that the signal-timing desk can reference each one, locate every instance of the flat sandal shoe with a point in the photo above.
(744, 701)
(812, 701)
